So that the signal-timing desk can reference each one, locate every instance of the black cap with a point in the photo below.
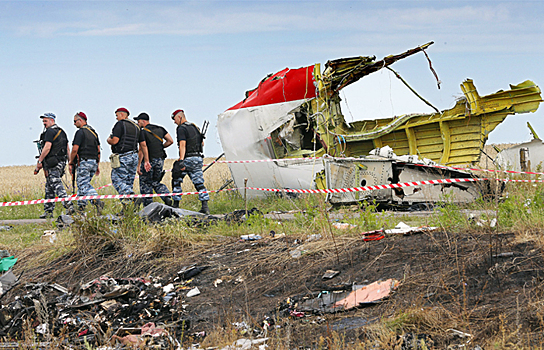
(142, 116)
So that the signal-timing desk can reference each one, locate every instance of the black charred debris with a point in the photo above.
(129, 311)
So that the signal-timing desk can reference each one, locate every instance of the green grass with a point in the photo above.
(23, 236)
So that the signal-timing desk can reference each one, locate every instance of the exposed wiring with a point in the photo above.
(347, 105)
(414, 91)
(438, 82)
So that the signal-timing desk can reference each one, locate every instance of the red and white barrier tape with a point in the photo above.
(101, 187)
(482, 170)
(106, 196)
(334, 190)
(369, 188)
(316, 158)
(417, 164)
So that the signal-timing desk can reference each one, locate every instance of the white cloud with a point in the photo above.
(480, 26)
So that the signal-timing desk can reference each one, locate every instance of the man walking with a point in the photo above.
(52, 159)
(85, 160)
(190, 143)
(124, 140)
(156, 139)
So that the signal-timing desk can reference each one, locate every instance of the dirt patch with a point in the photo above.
(477, 283)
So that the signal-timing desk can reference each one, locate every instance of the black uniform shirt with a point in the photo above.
(87, 143)
(119, 131)
(154, 145)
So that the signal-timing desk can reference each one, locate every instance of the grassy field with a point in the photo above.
(20, 183)
(452, 278)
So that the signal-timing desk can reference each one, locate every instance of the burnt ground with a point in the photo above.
(487, 285)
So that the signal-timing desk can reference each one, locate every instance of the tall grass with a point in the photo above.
(19, 184)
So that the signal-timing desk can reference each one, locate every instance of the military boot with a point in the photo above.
(99, 206)
(167, 201)
(175, 204)
(204, 209)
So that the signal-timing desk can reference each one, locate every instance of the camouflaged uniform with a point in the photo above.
(128, 133)
(151, 180)
(122, 178)
(54, 172)
(87, 140)
(193, 161)
(193, 168)
(85, 172)
(55, 188)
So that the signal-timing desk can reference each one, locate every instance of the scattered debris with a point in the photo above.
(411, 341)
(482, 222)
(7, 263)
(64, 221)
(7, 281)
(349, 323)
(375, 235)
(157, 212)
(101, 304)
(404, 229)
(368, 294)
(136, 337)
(193, 292)
(297, 253)
(340, 300)
(504, 255)
(312, 237)
(188, 272)
(239, 216)
(250, 237)
(329, 274)
(245, 344)
(343, 226)
(49, 236)
(466, 337)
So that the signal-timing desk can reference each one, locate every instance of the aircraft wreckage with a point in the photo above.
(295, 114)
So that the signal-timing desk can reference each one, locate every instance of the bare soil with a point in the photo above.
(484, 284)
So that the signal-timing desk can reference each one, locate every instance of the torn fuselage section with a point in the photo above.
(375, 170)
(294, 116)
(274, 127)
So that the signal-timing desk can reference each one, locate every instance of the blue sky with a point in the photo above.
(201, 56)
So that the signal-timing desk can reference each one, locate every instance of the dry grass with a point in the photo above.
(20, 180)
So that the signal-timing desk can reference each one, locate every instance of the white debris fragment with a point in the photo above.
(193, 292)
(168, 288)
(49, 236)
(404, 229)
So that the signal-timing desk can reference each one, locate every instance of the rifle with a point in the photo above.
(204, 129)
(39, 144)
(74, 167)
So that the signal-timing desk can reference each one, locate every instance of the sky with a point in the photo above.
(201, 56)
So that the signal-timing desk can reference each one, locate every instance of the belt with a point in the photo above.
(127, 153)
(193, 155)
